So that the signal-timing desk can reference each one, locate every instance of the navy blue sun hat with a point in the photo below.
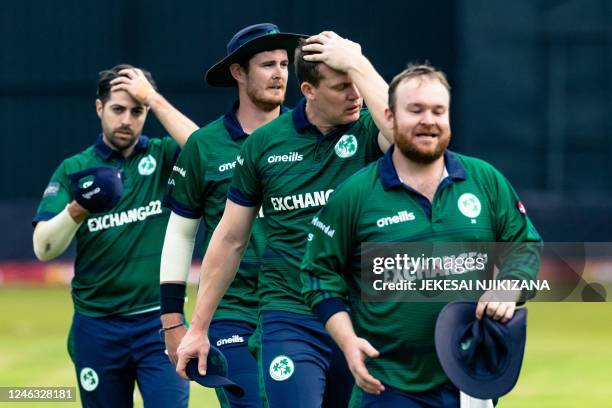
(482, 358)
(216, 373)
(248, 42)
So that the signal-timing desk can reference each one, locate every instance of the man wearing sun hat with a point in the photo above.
(257, 65)
(289, 168)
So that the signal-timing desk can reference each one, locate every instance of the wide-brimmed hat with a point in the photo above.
(216, 372)
(248, 42)
(482, 358)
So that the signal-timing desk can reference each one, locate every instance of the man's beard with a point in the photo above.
(121, 144)
(263, 103)
(413, 153)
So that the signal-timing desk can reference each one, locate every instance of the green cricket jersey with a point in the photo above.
(198, 189)
(116, 270)
(290, 169)
(375, 206)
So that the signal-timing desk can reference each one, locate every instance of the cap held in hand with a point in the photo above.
(97, 189)
(216, 373)
(482, 358)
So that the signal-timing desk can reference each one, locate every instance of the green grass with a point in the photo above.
(568, 360)
(35, 323)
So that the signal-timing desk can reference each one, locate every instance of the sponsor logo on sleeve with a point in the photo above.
(52, 189)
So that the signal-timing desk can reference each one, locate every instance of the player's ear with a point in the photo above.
(237, 72)
(308, 90)
(99, 107)
(389, 116)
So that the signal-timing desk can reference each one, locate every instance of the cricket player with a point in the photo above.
(257, 65)
(289, 167)
(109, 196)
(419, 191)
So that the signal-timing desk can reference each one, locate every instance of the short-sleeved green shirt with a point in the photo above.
(375, 206)
(198, 189)
(290, 169)
(116, 271)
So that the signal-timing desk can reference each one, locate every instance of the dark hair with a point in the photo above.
(306, 71)
(106, 76)
(245, 63)
(424, 70)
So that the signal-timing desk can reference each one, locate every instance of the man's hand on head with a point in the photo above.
(336, 52)
(133, 81)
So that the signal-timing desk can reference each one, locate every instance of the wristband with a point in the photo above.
(174, 326)
(172, 297)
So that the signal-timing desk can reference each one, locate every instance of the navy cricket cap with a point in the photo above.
(97, 189)
(248, 42)
(216, 372)
(482, 358)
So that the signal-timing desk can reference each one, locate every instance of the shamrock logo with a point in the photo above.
(346, 146)
(147, 165)
(89, 379)
(281, 368)
(469, 205)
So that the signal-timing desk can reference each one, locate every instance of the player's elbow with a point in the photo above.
(235, 243)
(41, 256)
(43, 248)
(231, 241)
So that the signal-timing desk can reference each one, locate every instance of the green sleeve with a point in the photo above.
(371, 131)
(331, 238)
(186, 181)
(520, 259)
(55, 197)
(171, 150)
(246, 187)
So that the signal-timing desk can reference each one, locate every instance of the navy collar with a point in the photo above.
(388, 174)
(105, 152)
(300, 121)
(302, 124)
(233, 126)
